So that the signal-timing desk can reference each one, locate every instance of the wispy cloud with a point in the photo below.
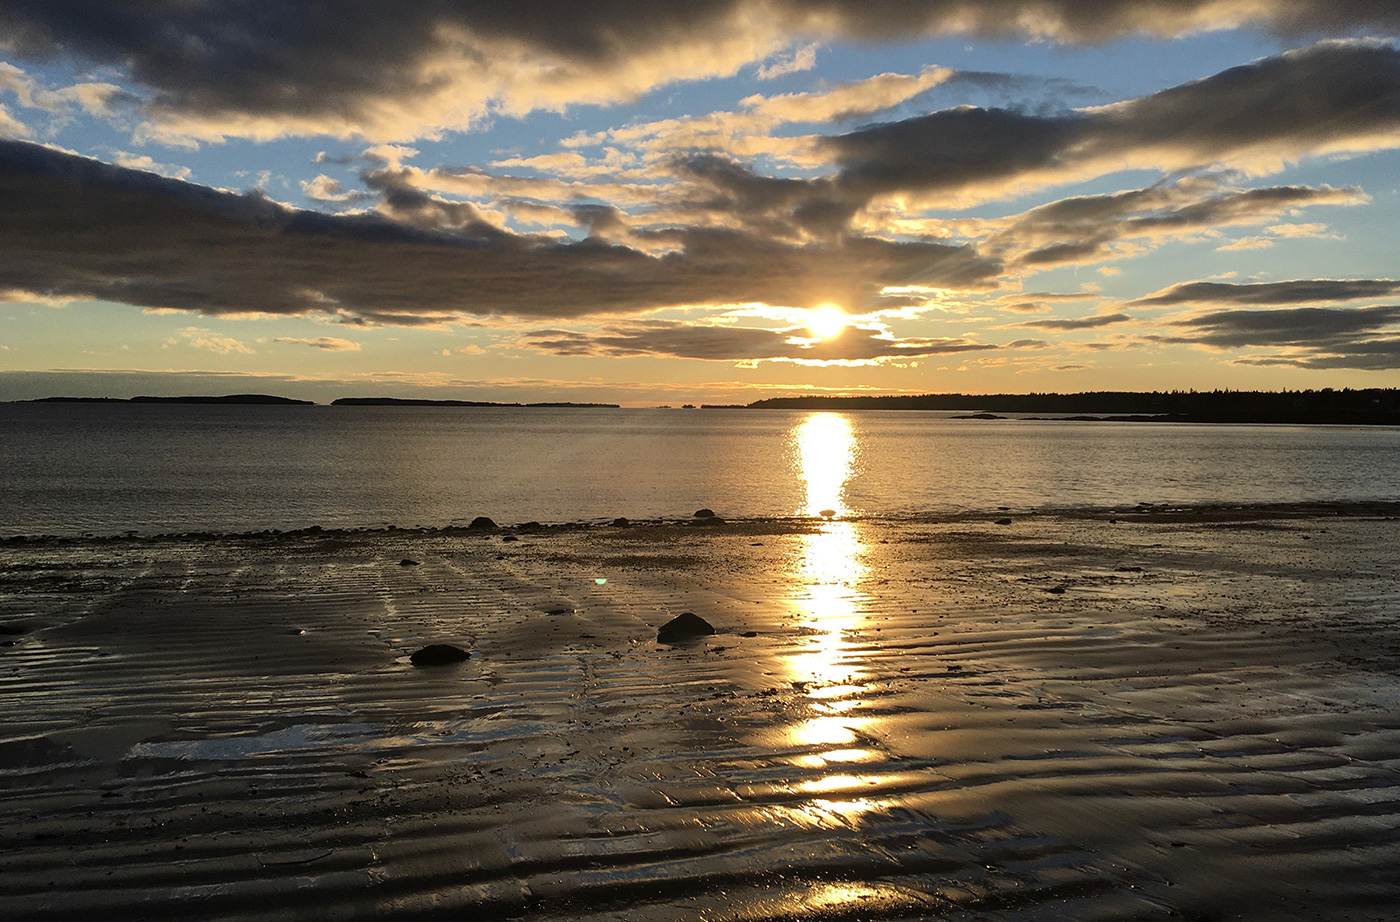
(328, 343)
(734, 343)
(200, 338)
(1297, 291)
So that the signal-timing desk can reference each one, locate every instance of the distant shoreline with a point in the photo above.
(271, 400)
(1362, 407)
(424, 402)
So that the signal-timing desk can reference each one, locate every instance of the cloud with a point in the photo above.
(199, 338)
(11, 127)
(386, 71)
(142, 162)
(1334, 97)
(884, 179)
(800, 59)
(93, 98)
(1082, 323)
(1314, 337)
(846, 100)
(326, 189)
(328, 343)
(1312, 326)
(221, 253)
(1086, 229)
(1298, 291)
(732, 343)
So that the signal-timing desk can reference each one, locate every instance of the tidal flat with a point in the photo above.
(1145, 713)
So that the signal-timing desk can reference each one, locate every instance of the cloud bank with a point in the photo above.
(396, 71)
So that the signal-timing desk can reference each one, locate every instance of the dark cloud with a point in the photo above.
(1299, 291)
(1316, 337)
(1334, 95)
(722, 343)
(1081, 323)
(338, 67)
(1086, 229)
(1307, 326)
(1368, 355)
(76, 228)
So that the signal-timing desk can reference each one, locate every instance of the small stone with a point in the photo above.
(704, 513)
(827, 513)
(685, 626)
(438, 654)
(481, 523)
(407, 562)
(620, 522)
(510, 538)
(1003, 521)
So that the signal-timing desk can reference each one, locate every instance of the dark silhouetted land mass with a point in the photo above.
(1365, 407)
(420, 402)
(253, 399)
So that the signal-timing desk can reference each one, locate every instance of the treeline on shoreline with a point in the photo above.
(270, 400)
(1368, 406)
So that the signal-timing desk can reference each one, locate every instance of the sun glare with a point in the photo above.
(826, 321)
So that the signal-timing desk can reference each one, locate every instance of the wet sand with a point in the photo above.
(1134, 714)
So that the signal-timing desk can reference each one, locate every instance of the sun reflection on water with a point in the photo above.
(832, 566)
(829, 597)
(826, 448)
(838, 767)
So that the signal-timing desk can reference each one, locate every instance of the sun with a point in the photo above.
(826, 321)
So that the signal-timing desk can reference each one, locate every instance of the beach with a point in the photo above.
(1145, 712)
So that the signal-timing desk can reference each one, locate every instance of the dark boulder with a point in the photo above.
(827, 513)
(1003, 521)
(407, 562)
(482, 523)
(620, 522)
(683, 627)
(438, 654)
(510, 538)
(704, 513)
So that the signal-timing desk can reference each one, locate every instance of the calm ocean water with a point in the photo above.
(107, 469)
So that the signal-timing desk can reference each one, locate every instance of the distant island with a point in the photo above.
(421, 402)
(246, 399)
(1365, 407)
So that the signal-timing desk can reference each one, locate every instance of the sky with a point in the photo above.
(647, 203)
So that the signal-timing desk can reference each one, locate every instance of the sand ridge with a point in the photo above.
(1133, 714)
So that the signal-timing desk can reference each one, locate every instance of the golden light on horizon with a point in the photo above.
(826, 321)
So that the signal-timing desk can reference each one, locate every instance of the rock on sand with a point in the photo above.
(687, 626)
(438, 654)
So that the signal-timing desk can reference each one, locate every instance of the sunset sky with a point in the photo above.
(654, 202)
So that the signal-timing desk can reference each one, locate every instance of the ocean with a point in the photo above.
(108, 469)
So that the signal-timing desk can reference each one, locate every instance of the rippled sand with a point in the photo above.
(1144, 714)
